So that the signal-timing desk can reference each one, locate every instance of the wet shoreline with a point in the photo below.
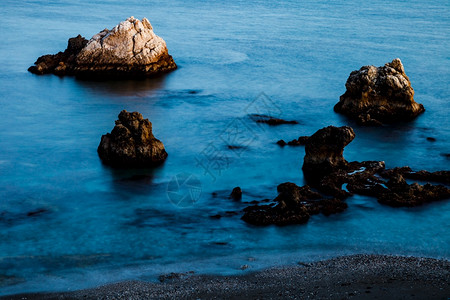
(356, 276)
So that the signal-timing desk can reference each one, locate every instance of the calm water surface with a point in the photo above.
(94, 224)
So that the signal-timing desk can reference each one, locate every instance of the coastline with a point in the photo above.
(358, 276)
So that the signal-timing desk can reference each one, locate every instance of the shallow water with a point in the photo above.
(93, 224)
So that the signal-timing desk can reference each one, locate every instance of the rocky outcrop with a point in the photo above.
(334, 179)
(131, 143)
(341, 179)
(62, 63)
(375, 96)
(236, 193)
(324, 151)
(293, 205)
(129, 49)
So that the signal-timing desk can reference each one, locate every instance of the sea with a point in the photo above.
(69, 222)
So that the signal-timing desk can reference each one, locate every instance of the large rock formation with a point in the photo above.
(129, 49)
(334, 179)
(379, 95)
(326, 170)
(131, 143)
(324, 150)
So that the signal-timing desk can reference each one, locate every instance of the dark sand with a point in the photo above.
(349, 277)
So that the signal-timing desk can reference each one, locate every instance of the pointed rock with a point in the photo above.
(131, 143)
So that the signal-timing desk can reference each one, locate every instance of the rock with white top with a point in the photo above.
(376, 96)
(129, 49)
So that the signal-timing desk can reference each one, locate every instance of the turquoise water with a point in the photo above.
(99, 225)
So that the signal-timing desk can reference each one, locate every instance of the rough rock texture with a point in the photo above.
(131, 143)
(293, 205)
(379, 95)
(334, 179)
(61, 63)
(341, 180)
(324, 150)
(129, 49)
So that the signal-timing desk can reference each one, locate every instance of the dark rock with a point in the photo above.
(290, 195)
(406, 172)
(294, 205)
(302, 140)
(366, 178)
(431, 139)
(375, 96)
(446, 155)
(234, 147)
(36, 212)
(295, 142)
(131, 143)
(282, 143)
(220, 243)
(400, 193)
(61, 63)
(236, 194)
(324, 151)
(270, 120)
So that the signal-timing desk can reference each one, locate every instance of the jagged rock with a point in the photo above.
(294, 205)
(129, 49)
(366, 178)
(400, 193)
(62, 62)
(324, 151)
(375, 96)
(236, 193)
(270, 120)
(131, 143)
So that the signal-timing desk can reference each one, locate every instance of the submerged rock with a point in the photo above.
(270, 120)
(131, 143)
(129, 49)
(301, 141)
(293, 205)
(375, 96)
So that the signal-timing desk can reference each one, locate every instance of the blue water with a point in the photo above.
(290, 58)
